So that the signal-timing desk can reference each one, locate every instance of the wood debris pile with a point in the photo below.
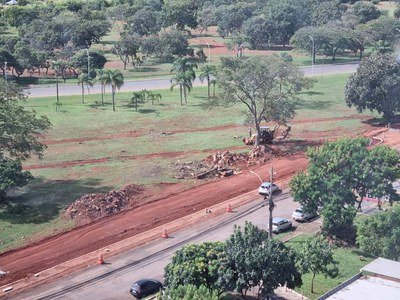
(223, 163)
(91, 207)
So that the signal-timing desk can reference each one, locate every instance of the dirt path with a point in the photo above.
(164, 207)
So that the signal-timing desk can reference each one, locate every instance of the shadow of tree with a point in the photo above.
(314, 104)
(43, 200)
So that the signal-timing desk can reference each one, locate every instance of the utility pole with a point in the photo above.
(270, 202)
(88, 62)
(209, 54)
(312, 55)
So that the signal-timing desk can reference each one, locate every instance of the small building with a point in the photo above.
(379, 279)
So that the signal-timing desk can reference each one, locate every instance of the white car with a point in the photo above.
(264, 189)
(300, 215)
(280, 224)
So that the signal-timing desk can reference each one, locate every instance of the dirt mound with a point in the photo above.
(91, 207)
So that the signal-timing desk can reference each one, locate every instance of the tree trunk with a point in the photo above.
(125, 62)
(312, 283)
(257, 141)
(359, 204)
(102, 94)
(208, 87)
(113, 98)
(180, 93)
(184, 94)
(83, 94)
(136, 104)
(313, 56)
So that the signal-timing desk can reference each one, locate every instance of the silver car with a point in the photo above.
(300, 215)
(280, 224)
(265, 188)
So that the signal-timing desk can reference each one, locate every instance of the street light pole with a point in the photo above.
(270, 202)
(209, 54)
(312, 54)
(257, 176)
(88, 62)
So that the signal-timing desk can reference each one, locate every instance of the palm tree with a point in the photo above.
(152, 96)
(213, 82)
(183, 64)
(138, 97)
(206, 72)
(100, 77)
(184, 81)
(84, 80)
(115, 79)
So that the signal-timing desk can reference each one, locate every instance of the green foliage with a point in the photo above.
(316, 257)
(189, 292)
(113, 78)
(366, 11)
(253, 260)
(97, 60)
(127, 49)
(267, 86)
(376, 86)
(19, 132)
(379, 235)
(144, 22)
(339, 175)
(198, 265)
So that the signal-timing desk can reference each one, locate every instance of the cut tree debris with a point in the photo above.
(91, 207)
(224, 163)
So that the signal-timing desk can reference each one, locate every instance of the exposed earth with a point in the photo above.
(171, 203)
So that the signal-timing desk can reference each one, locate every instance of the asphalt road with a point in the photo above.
(113, 280)
(156, 84)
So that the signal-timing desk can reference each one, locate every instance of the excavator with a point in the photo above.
(268, 135)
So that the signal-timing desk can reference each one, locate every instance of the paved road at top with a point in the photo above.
(157, 84)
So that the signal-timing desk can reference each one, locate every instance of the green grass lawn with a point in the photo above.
(349, 264)
(34, 210)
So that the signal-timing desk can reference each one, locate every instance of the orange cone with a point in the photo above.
(164, 233)
(100, 260)
(229, 208)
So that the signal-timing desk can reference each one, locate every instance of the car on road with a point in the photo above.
(280, 224)
(265, 188)
(300, 215)
(145, 287)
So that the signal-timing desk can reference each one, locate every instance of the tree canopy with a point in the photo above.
(376, 86)
(267, 86)
(19, 132)
(340, 174)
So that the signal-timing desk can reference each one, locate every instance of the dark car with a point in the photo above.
(145, 287)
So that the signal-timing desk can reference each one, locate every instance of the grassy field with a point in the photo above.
(349, 265)
(123, 137)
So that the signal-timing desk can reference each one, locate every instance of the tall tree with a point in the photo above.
(339, 175)
(376, 86)
(253, 260)
(207, 72)
(196, 264)
(184, 81)
(267, 86)
(84, 81)
(379, 235)
(316, 257)
(19, 136)
(115, 79)
(127, 49)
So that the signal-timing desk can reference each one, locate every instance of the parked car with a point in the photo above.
(264, 189)
(300, 215)
(145, 287)
(280, 224)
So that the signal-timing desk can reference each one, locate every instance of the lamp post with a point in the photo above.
(88, 62)
(271, 204)
(312, 54)
(209, 54)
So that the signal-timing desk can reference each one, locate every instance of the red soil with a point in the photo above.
(160, 208)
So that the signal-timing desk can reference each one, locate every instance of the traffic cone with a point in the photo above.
(100, 260)
(229, 208)
(164, 233)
